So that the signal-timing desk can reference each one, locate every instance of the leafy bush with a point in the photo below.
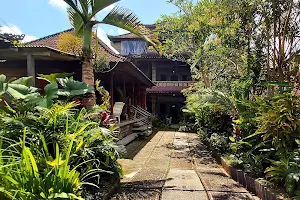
(26, 174)
(219, 142)
(279, 121)
(64, 146)
(264, 131)
(185, 128)
(159, 123)
(285, 172)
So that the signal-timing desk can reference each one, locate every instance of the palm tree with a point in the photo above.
(82, 15)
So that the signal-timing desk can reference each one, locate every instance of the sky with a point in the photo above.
(39, 18)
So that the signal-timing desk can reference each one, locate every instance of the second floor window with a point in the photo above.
(133, 47)
(185, 78)
(163, 77)
(174, 77)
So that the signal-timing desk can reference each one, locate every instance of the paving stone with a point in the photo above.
(229, 196)
(174, 161)
(183, 195)
(131, 194)
(181, 163)
(180, 135)
(180, 154)
(148, 178)
(180, 179)
(130, 168)
(216, 180)
(158, 163)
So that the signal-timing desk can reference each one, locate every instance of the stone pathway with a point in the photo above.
(174, 165)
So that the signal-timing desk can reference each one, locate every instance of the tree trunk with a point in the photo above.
(88, 78)
(87, 67)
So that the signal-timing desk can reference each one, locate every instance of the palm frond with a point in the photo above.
(73, 4)
(85, 4)
(76, 21)
(125, 19)
(97, 6)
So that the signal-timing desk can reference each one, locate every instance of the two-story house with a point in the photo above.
(170, 77)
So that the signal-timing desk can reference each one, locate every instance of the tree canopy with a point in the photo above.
(228, 39)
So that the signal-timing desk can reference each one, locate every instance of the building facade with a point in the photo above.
(170, 77)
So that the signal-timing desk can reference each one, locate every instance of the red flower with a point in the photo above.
(85, 101)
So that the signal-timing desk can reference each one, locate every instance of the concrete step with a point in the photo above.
(141, 128)
(138, 124)
(126, 140)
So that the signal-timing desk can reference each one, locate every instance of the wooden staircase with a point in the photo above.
(143, 127)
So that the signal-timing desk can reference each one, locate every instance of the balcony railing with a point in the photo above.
(173, 83)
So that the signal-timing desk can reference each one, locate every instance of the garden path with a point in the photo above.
(175, 165)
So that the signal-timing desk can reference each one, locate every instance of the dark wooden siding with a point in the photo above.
(17, 69)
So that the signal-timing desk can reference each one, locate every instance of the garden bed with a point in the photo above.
(109, 184)
(253, 185)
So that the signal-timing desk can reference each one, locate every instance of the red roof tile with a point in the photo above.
(51, 41)
(166, 89)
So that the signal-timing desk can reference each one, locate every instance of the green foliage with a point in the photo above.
(61, 87)
(105, 98)
(287, 172)
(279, 120)
(82, 15)
(71, 88)
(159, 123)
(63, 148)
(205, 31)
(26, 176)
(211, 108)
(122, 94)
(52, 78)
(244, 54)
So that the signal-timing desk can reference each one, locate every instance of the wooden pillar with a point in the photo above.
(143, 99)
(153, 101)
(153, 72)
(31, 69)
(133, 95)
(111, 93)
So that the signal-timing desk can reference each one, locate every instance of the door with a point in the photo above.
(174, 113)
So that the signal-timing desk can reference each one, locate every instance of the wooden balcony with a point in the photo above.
(173, 83)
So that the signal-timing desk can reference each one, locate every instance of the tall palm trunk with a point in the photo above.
(87, 67)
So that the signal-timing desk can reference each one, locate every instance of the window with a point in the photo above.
(174, 77)
(163, 77)
(133, 47)
(185, 78)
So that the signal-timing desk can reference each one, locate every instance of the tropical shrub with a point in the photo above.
(65, 144)
(28, 173)
(285, 172)
(159, 122)
(279, 120)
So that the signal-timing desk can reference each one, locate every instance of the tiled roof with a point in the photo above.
(131, 35)
(166, 89)
(124, 36)
(4, 43)
(51, 42)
